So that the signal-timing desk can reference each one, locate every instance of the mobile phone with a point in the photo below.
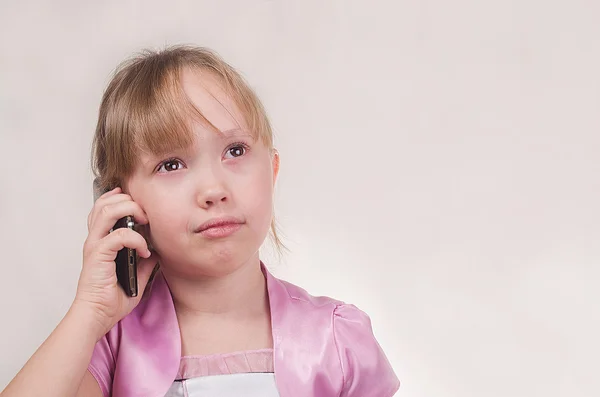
(126, 260)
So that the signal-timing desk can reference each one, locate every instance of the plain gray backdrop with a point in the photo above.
(439, 170)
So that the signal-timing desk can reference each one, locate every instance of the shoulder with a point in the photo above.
(336, 309)
(304, 298)
(365, 369)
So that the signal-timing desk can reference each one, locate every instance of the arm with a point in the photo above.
(89, 387)
(60, 364)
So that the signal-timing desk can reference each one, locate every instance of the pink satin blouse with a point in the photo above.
(321, 347)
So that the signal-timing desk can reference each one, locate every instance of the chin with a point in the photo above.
(213, 259)
(216, 262)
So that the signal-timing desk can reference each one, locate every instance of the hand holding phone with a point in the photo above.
(116, 258)
(126, 260)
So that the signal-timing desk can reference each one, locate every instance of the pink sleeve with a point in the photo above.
(366, 370)
(102, 365)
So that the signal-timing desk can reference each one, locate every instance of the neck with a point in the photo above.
(241, 293)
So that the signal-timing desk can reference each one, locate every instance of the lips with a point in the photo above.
(220, 227)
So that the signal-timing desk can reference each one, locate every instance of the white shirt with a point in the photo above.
(233, 385)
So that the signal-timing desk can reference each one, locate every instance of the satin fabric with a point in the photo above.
(322, 347)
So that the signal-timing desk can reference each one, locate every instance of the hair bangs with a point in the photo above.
(160, 116)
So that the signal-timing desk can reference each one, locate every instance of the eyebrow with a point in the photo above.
(235, 132)
(232, 132)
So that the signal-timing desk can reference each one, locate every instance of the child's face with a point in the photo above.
(224, 175)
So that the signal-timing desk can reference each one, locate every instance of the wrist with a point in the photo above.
(86, 317)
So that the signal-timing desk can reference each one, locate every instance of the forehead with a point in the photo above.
(208, 111)
(208, 96)
(198, 105)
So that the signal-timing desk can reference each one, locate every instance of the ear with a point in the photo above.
(275, 163)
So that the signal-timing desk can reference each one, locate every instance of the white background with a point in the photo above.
(440, 169)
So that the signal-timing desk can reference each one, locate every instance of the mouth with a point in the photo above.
(220, 227)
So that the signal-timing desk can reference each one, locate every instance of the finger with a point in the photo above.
(119, 239)
(109, 215)
(101, 199)
(114, 198)
(108, 200)
(117, 198)
(109, 193)
(89, 219)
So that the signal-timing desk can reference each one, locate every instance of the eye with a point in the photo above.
(236, 150)
(170, 165)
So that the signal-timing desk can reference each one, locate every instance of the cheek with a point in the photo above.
(257, 197)
(166, 221)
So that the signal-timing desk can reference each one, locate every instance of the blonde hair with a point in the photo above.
(145, 107)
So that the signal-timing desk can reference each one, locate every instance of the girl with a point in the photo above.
(184, 145)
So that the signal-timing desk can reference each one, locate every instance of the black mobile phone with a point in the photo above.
(126, 261)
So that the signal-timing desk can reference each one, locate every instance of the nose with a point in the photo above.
(212, 189)
(212, 197)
